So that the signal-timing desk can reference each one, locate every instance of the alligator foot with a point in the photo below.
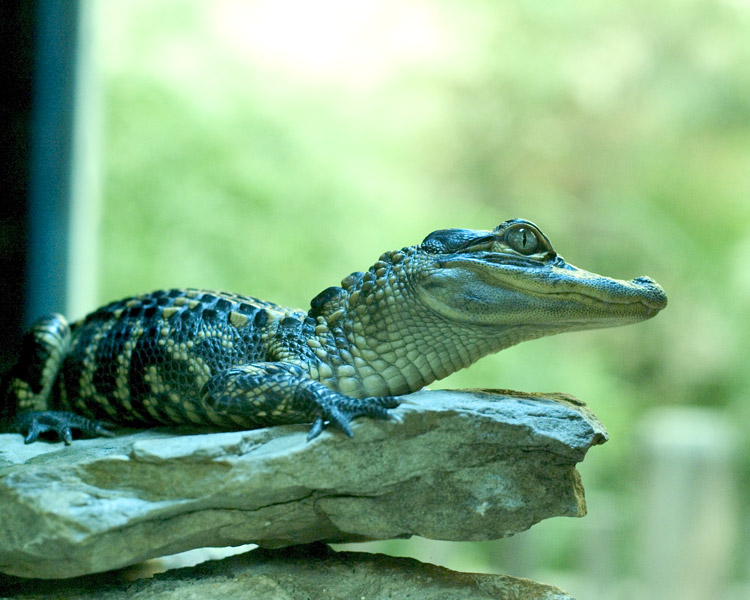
(262, 394)
(34, 423)
(340, 410)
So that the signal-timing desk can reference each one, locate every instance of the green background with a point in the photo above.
(273, 148)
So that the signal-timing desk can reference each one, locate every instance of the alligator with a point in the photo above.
(227, 361)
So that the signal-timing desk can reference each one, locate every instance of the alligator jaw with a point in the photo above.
(642, 294)
(640, 298)
(511, 290)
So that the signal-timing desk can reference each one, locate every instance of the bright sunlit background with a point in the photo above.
(273, 147)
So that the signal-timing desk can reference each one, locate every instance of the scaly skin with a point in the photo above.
(228, 361)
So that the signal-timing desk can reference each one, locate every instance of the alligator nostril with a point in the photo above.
(653, 294)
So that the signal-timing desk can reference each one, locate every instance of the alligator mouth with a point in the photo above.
(556, 279)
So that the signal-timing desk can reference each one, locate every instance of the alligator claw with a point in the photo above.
(316, 429)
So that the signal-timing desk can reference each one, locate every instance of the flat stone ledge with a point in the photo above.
(296, 573)
(457, 465)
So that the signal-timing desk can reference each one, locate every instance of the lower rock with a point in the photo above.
(462, 465)
(297, 573)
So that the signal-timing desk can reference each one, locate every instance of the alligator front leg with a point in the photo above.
(30, 383)
(279, 393)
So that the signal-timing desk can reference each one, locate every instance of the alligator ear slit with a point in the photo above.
(454, 240)
(482, 243)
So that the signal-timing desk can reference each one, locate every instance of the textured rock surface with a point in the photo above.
(299, 573)
(459, 466)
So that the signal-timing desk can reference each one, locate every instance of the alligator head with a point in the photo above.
(512, 276)
(425, 311)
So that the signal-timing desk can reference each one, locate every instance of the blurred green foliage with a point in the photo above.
(621, 128)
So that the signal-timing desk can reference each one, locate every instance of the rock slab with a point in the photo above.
(456, 465)
(297, 573)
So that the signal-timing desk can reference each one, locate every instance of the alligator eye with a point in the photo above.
(523, 239)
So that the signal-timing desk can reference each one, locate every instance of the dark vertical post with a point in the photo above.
(51, 156)
(17, 23)
(48, 216)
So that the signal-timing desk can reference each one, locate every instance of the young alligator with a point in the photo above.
(231, 362)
